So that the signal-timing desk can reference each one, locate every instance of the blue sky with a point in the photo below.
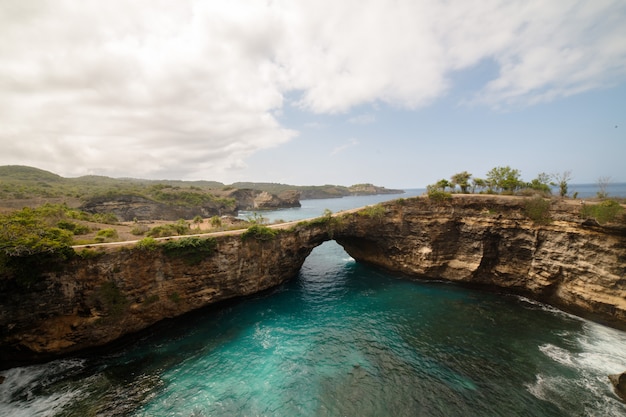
(398, 94)
(408, 148)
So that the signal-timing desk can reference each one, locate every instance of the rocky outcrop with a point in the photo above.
(248, 199)
(132, 207)
(101, 295)
(491, 242)
(619, 384)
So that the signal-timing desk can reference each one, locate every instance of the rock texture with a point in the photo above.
(104, 294)
(489, 241)
(619, 384)
(130, 207)
(248, 199)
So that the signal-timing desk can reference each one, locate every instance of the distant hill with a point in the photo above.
(26, 173)
(309, 192)
(22, 182)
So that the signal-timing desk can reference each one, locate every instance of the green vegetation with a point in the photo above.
(562, 180)
(504, 180)
(436, 194)
(462, 179)
(31, 242)
(21, 182)
(175, 297)
(106, 235)
(31, 232)
(500, 180)
(198, 220)
(538, 209)
(192, 249)
(75, 228)
(180, 228)
(314, 191)
(604, 212)
(216, 222)
(259, 232)
(541, 185)
(112, 299)
(89, 253)
(376, 212)
(147, 244)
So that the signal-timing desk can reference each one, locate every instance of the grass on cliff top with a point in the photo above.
(605, 212)
(259, 232)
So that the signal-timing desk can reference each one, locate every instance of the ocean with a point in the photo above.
(341, 339)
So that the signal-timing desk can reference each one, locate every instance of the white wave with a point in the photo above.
(547, 307)
(18, 392)
(561, 391)
(601, 351)
(558, 354)
(604, 349)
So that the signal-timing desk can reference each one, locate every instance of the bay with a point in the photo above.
(342, 339)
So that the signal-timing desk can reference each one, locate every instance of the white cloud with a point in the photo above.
(152, 88)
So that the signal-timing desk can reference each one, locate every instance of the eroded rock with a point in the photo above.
(619, 384)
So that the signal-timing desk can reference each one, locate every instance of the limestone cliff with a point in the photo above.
(104, 294)
(490, 241)
(131, 207)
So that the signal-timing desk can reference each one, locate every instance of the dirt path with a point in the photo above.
(279, 226)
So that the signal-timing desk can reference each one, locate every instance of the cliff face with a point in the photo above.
(97, 298)
(490, 241)
(129, 207)
(487, 241)
(248, 199)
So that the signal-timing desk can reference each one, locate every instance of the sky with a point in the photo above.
(399, 93)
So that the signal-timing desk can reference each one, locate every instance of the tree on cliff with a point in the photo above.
(478, 183)
(504, 179)
(541, 183)
(562, 179)
(462, 180)
(442, 184)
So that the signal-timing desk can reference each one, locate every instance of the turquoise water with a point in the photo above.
(342, 339)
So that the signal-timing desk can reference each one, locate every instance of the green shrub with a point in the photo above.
(538, 209)
(603, 212)
(89, 253)
(376, 212)
(259, 232)
(192, 249)
(438, 195)
(75, 228)
(106, 234)
(107, 218)
(181, 227)
(147, 244)
(216, 222)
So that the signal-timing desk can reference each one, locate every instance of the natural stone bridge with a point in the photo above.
(104, 294)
